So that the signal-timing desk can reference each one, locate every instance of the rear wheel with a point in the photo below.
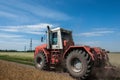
(79, 64)
(40, 61)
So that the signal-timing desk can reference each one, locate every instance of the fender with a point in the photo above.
(41, 48)
(86, 48)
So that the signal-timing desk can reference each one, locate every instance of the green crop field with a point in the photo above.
(20, 57)
(27, 57)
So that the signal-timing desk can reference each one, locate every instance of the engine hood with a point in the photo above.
(41, 46)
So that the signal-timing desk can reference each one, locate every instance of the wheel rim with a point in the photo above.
(39, 62)
(76, 65)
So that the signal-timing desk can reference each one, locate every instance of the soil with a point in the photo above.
(16, 71)
(108, 73)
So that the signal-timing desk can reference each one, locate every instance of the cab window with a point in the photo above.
(66, 36)
(54, 38)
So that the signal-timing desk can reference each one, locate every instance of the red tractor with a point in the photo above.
(61, 51)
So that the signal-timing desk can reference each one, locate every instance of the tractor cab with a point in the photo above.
(58, 38)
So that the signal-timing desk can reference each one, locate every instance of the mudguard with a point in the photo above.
(86, 48)
(41, 48)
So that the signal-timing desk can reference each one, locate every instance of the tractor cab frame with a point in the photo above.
(56, 38)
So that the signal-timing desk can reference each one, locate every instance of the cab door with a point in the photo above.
(56, 40)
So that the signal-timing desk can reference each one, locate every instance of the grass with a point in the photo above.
(20, 57)
(27, 57)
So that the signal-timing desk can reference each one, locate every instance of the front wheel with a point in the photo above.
(40, 61)
(78, 64)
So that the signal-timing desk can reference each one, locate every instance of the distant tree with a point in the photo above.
(30, 50)
(8, 50)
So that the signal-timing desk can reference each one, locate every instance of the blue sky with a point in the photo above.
(93, 22)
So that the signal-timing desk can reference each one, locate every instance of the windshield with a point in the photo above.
(54, 38)
(66, 36)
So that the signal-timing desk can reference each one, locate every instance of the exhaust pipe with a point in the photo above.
(48, 38)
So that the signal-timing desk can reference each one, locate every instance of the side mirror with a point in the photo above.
(41, 39)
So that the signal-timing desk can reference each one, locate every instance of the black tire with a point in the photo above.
(40, 61)
(79, 64)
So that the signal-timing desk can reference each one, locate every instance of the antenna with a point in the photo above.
(31, 44)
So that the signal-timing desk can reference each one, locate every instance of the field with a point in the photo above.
(27, 58)
(14, 71)
(20, 57)
(115, 58)
(10, 69)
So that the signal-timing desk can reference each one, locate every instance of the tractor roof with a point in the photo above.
(63, 30)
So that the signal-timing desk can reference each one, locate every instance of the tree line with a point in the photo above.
(15, 51)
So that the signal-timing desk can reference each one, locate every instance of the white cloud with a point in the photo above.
(31, 29)
(6, 14)
(8, 29)
(35, 33)
(95, 33)
(25, 8)
(89, 34)
(100, 29)
(92, 43)
(45, 12)
(14, 37)
(89, 43)
(6, 35)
